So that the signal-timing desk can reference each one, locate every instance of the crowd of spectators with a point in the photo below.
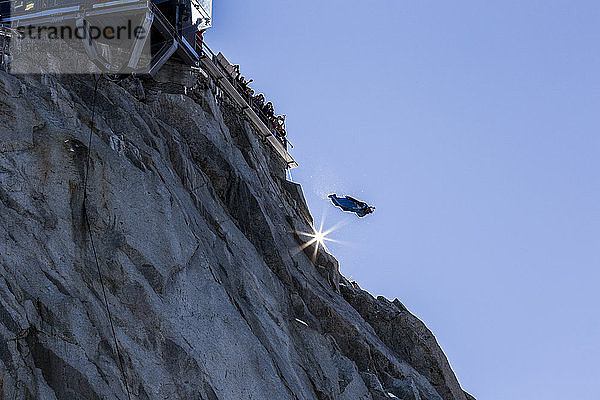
(265, 111)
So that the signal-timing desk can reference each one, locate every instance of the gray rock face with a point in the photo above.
(193, 225)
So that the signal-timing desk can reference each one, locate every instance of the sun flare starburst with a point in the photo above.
(318, 238)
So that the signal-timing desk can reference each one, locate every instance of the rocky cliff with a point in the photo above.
(194, 229)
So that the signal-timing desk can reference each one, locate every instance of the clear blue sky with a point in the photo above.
(474, 128)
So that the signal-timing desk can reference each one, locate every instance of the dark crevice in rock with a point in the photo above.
(154, 278)
(66, 381)
(185, 372)
(5, 355)
(61, 288)
(7, 320)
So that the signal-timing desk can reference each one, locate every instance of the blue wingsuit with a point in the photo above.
(351, 204)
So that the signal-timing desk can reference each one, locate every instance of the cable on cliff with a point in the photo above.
(87, 223)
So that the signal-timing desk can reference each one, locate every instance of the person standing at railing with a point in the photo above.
(200, 39)
(242, 83)
(249, 95)
(258, 103)
(279, 124)
(269, 111)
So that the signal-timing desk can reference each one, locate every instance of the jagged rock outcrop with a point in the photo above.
(194, 228)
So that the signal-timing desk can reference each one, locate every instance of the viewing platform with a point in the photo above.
(170, 36)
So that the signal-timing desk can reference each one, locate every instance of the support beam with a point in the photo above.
(163, 56)
(138, 46)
